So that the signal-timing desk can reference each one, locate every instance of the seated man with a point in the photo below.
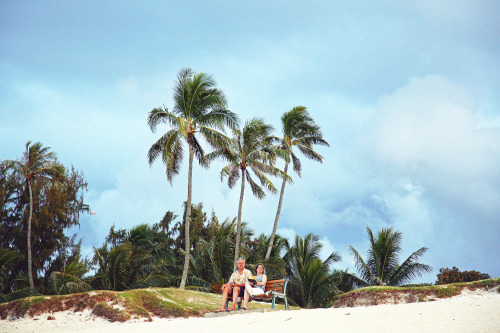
(235, 284)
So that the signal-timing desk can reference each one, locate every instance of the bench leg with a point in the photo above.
(272, 306)
(286, 303)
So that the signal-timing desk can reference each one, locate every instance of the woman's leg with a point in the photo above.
(248, 288)
(248, 292)
(245, 299)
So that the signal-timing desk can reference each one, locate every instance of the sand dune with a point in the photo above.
(470, 312)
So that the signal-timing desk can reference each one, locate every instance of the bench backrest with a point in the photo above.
(270, 285)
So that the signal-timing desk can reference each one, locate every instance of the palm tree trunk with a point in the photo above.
(188, 219)
(238, 226)
(30, 268)
(277, 218)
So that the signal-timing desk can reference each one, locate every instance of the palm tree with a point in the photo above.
(70, 280)
(300, 130)
(199, 107)
(382, 267)
(37, 162)
(312, 283)
(249, 149)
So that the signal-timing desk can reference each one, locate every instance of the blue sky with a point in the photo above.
(405, 93)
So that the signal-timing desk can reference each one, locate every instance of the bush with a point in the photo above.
(454, 275)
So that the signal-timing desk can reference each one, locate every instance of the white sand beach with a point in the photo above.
(469, 312)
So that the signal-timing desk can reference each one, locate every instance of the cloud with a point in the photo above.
(428, 131)
(440, 169)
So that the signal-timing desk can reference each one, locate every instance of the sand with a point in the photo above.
(469, 312)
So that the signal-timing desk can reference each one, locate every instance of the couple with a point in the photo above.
(239, 280)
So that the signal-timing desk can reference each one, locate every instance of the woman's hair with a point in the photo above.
(263, 268)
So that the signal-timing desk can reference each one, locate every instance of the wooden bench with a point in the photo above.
(274, 289)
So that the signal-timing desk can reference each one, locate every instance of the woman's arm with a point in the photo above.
(264, 280)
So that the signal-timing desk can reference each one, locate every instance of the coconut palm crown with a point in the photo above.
(382, 267)
(199, 110)
(299, 130)
(249, 150)
(37, 162)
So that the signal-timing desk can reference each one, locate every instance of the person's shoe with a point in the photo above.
(243, 308)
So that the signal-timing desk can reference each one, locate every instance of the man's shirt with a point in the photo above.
(238, 278)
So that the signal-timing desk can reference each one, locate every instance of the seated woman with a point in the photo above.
(258, 288)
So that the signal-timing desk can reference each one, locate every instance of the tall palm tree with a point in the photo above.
(300, 130)
(248, 150)
(313, 282)
(37, 162)
(199, 108)
(382, 267)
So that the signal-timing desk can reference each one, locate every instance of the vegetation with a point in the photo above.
(37, 162)
(199, 108)
(300, 130)
(248, 150)
(386, 294)
(39, 202)
(313, 282)
(454, 275)
(121, 306)
(382, 266)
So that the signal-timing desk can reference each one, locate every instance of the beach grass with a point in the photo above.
(142, 304)
(375, 295)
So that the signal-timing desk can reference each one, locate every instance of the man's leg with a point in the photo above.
(225, 294)
(236, 293)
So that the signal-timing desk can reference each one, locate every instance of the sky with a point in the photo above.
(406, 94)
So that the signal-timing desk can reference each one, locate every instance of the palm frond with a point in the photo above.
(297, 167)
(256, 189)
(219, 117)
(410, 269)
(232, 172)
(215, 138)
(160, 115)
(310, 153)
(163, 145)
(264, 181)
(198, 151)
(362, 268)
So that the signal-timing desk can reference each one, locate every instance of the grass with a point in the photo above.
(387, 294)
(121, 306)
(145, 304)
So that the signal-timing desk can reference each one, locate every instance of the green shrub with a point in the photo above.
(454, 275)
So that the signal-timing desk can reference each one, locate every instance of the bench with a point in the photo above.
(274, 289)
